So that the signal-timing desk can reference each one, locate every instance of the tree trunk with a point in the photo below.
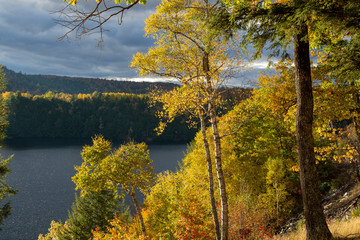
(357, 145)
(210, 175)
(217, 149)
(316, 226)
(356, 96)
(138, 210)
(220, 174)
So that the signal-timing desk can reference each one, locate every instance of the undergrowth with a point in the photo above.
(344, 229)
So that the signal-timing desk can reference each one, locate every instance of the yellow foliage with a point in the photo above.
(55, 227)
(181, 100)
(5, 95)
(120, 230)
(127, 168)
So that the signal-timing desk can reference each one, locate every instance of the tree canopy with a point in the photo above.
(202, 60)
(5, 189)
(126, 169)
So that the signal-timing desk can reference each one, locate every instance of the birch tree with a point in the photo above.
(126, 169)
(188, 50)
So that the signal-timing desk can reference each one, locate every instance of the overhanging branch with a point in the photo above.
(85, 22)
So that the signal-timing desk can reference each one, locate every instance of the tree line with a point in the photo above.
(40, 84)
(117, 116)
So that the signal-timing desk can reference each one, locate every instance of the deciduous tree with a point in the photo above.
(281, 23)
(198, 57)
(126, 169)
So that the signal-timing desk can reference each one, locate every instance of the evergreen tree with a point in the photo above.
(299, 22)
(91, 212)
(5, 190)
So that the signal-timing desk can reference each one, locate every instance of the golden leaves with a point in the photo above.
(126, 168)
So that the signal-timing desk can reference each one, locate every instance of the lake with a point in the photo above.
(42, 171)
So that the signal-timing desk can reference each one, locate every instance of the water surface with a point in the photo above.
(42, 171)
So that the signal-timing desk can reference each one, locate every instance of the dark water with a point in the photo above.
(42, 171)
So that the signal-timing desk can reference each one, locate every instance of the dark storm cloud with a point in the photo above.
(29, 41)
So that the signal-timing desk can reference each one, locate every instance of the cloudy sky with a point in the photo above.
(29, 42)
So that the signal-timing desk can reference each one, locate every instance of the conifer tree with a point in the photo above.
(5, 189)
(296, 22)
(91, 212)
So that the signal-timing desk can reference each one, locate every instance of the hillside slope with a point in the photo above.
(40, 84)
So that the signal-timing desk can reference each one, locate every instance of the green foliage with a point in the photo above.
(5, 189)
(125, 169)
(276, 198)
(128, 168)
(3, 108)
(91, 212)
(54, 230)
(40, 84)
(356, 212)
(114, 115)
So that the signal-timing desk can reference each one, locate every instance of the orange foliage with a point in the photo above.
(192, 224)
(5, 95)
(247, 223)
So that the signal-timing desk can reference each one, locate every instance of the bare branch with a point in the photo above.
(83, 22)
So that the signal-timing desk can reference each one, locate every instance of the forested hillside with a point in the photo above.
(118, 116)
(40, 84)
(260, 168)
(255, 160)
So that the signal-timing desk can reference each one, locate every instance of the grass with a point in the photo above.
(341, 230)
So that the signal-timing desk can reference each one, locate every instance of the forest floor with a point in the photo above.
(342, 211)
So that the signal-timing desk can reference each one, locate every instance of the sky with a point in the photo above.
(29, 43)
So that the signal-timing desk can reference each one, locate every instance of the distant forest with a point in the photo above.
(64, 107)
(117, 116)
(40, 84)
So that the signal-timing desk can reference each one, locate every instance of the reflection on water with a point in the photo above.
(42, 171)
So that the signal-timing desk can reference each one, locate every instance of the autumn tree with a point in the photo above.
(126, 169)
(339, 64)
(265, 143)
(188, 99)
(281, 23)
(177, 207)
(189, 51)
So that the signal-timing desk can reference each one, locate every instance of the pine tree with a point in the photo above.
(91, 212)
(5, 190)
